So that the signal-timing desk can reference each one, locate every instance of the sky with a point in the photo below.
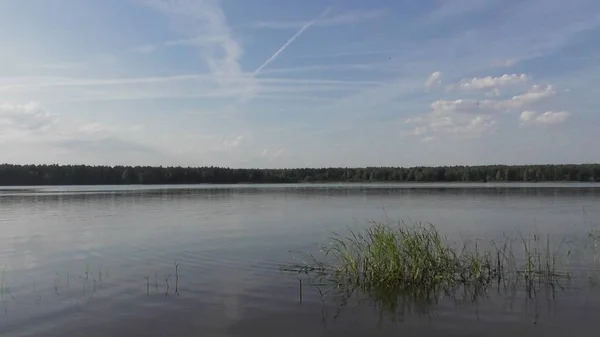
(299, 83)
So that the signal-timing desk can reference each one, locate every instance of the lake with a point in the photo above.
(205, 260)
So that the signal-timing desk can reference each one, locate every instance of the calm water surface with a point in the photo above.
(101, 261)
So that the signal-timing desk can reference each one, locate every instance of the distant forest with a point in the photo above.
(23, 175)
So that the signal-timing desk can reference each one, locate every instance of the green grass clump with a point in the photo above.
(401, 267)
(382, 256)
(417, 259)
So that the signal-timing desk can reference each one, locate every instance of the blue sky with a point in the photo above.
(273, 83)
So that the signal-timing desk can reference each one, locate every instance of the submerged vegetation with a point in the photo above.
(414, 265)
(24, 175)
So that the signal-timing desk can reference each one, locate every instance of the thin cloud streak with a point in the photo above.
(47, 82)
(331, 67)
(298, 33)
(351, 54)
(340, 19)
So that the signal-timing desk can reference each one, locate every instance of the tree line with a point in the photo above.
(27, 175)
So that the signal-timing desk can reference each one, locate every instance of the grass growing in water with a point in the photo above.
(403, 257)
(415, 263)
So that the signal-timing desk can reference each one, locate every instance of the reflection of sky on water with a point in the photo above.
(230, 241)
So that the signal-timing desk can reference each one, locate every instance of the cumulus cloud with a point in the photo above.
(536, 93)
(472, 106)
(457, 124)
(487, 82)
(529, 117)
(473, 118)
(464, 106)
(25, 117)
(434, 80)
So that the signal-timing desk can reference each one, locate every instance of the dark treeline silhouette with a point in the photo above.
(19, 175)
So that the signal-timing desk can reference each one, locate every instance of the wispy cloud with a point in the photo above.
(40, 82)
(52, 66)
(330, 67)
(233, 143)
(451, 9)
(278, 153)
(24, 117)
(144, 49)
(506, 63)
(529, 117)
(434, 80)
(282, 48)
(351, 54)
(51, 89)
(493, 93)
(218, 48)
(334, 20)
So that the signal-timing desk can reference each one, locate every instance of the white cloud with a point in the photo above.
(536, 93)
(349, 66)
(529, 117)
(491, 82)
(278, 153)
(269, 155)
(233, 143)
(506, 63)
(551, 118)
(24, 117)
(456, 125)
(99, 130)
(463, 106)
(25, 83)
(219, 50)
(92, 128)
(434, 80)
(336, 20)
(104, 130)
(471, 106)
(493, 93)
(473, 118)
(63, 89)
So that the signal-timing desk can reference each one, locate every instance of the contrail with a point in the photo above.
(298, 33)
